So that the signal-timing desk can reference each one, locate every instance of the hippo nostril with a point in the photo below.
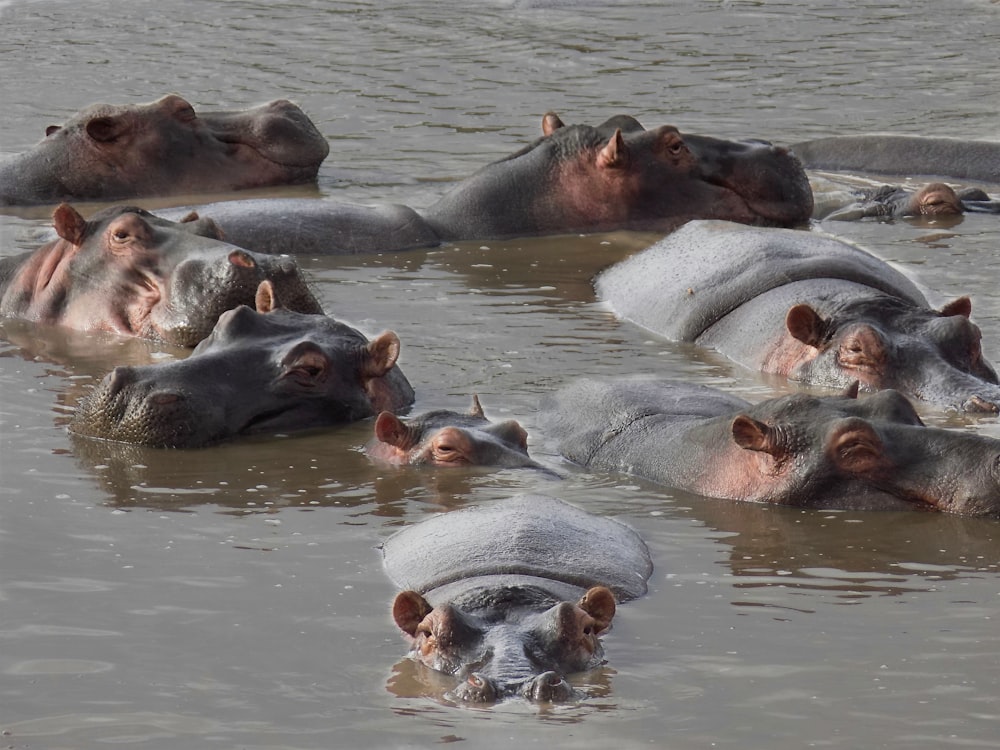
(981, 405)
(549, 686)
(164, 398)
(475, 689)
(241, 259)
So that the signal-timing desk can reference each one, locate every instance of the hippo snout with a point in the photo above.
(475, 689)
(548, 687)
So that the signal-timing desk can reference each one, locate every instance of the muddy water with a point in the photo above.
(233, 597)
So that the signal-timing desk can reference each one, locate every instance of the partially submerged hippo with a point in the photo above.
(935, 199)
(132, 273)
(812, 308)
(512, 597)
(447, 438)
(831, 452)
(109, 152)
(267, 370)
(908, 155)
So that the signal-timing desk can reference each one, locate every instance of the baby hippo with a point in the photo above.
(449, 438)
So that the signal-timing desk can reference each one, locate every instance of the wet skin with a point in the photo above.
(832, 452)
(512, 597)
(808, 307)
(267, 370)
(110, 152)
(132, 273)
(935, 199)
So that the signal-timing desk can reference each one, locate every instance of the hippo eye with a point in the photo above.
(120, 236)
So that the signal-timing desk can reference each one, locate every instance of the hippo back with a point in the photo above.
(528, 535)
(691, 279)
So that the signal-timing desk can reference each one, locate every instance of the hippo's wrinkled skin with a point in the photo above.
(264, 371)
(132, 273)
(912, 156)
(831, 452)
(110, 152)
(449, 439)
(510, 598)
(935, 199)
(811, 308)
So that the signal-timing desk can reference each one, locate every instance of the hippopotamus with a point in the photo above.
(512, 598)
(811, 308)
(935, 199)
(112, 152)
(446, 438)
(831, 452)
(908, 155)
(132, 273)
(575, 179)
(262, 370)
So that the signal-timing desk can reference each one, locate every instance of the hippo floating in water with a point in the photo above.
(935, 199)
(575, 179)
(110, 152)
(830, 452)
(260, 371)
(812, 308)
(511, 598)
(132, 273)
(447, 438)
(912, 156)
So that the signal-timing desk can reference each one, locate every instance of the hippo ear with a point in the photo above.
(266, 298)
(476, 410)
(599, 603)
(805, 325)
(69, 224)
(851, 391)
(380, 355)
(513, 433)
(961, 306)
(752, 435)
(551, 123)
(106, 129)
(855, 447)
(408, 610)
(51, 129)
(393, 431)
(614, 155)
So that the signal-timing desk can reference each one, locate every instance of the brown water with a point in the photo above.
(233, 597)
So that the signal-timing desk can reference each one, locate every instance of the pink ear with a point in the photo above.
(392, 430)
(615, 154)
(380, 355)
(961, 306)
(805, 325)
(69, 224)
(599, 603)
(752, 435)
(266, 300)
(551, 123)
(408, 610)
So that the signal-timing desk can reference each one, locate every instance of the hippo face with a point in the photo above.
(510, 647)
(129, 272)
(450, 439)
(886, 343)
(110, 152)
(257, 372)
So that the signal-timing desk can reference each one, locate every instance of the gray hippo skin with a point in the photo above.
(446, 438)
(512, 597)
(110, 152)
(260, 371)
(934, 199)
(811, 308)
(132, 273)
(819, 452)
(977, 161)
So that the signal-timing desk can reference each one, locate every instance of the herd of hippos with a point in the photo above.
(738, 271)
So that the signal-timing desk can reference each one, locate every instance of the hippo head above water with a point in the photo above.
(111, 152)
(132, 273)
(618, 175)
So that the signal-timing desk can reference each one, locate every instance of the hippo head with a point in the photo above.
(515, 641)
(448, 439)
(260, 371)
(133, 273)
(885, 342)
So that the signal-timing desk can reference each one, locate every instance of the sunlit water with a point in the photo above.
(234, 597)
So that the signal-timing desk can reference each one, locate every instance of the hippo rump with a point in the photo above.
(808, 307)
(110, 152)
(802, 450)
(511, 598)
(934, 200)
(912, 156)
(261, 371)
(132, 273)
(446, 438)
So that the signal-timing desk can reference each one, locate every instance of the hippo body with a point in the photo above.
(132, 273)
(812, 308)
(511, 597)
(830, 452)
(912, 156)
(260, 371)
(933, 200)
(112, 152)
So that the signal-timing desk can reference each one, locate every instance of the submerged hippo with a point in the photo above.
(260, 371)
(448, 438)
(512, 597)
(978, 161)
(831, 452)
(109, 152)
(811, 308)
(132, 273)
(935, 199)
